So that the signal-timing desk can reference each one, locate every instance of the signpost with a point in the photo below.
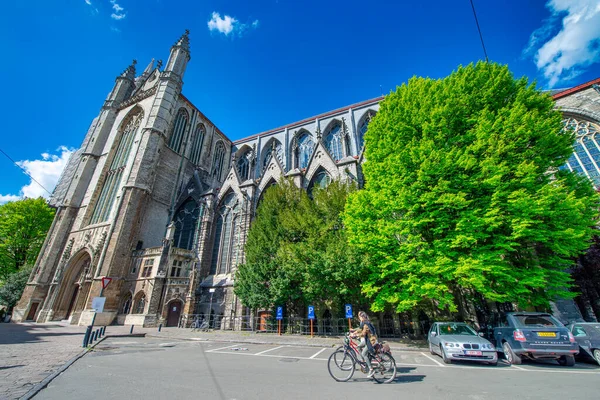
(279, 318)
(98, 306)
(311, 317)
(349, 315)
(210, 314)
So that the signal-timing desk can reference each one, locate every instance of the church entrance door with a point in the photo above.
(174, 313)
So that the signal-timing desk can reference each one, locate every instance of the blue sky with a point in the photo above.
(259, 64)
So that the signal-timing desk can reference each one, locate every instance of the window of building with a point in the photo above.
(176, 269)
(126, 304)
(218, 160)
(197, 144)
(224, 254)
(113, 176)
(244, 165)
(585, 159)
(135, 265)
(140, 304)
(305, 147)
(320, 180)
(334, 142)
(148, 265)
(186, 222)
(362, 127)
(272, 148)
(176, 142)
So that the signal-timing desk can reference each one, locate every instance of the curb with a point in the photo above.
(38, 387)
(250, 341)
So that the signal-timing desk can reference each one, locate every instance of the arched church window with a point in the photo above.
(321, 180)
(186, 221)
(197, 144)
(362, 127)
(126, 304)
(585, 159)
(218, 160)
(226, 235)
(114, 174)
(176, 140)
(272, 148)
(304, 150)
(244, 165)
(333, 142)
(140, 304)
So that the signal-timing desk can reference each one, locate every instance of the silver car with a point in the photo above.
(458, 341)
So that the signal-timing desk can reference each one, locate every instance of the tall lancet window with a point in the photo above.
(186, 221)
(218, 160)
(114, 174)
(362, 128)
(244, 165)
(176, 141)
(304, 150)
(226, 235)
(585, 159)
(197, 142)
(333, 142)
(273, 148)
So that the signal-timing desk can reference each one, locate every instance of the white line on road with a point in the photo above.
(317, 353)
(263, 352)
(221, 348)
(514, 366)
(434, 360)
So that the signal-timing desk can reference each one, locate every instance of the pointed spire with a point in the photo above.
(129, 72)
(159, 64)
(184, 41)
(149, 68)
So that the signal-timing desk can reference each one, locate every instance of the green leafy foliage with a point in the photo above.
(463, 193)
(23, 228)
(12, 288)
(297, 251)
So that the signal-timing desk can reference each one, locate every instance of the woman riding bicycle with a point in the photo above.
(367, 334)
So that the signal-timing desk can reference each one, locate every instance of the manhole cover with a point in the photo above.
(288, 359)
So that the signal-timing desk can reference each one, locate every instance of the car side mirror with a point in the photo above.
(433, 334)
(481, 334)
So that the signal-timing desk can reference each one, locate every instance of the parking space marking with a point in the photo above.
(267, 350)
(221, 348)
(317, 353)
(435, 361)
(514, 366)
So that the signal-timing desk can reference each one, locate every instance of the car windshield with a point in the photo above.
(456, 329)
(537, 321)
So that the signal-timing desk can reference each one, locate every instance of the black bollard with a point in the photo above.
(131, 330)
(159, 327)
(86, 337)
(103, 330)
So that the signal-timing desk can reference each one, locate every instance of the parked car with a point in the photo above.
(587, 336)
(458, 341)
(532, 335)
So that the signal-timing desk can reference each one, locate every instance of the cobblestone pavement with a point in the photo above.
(29, 352)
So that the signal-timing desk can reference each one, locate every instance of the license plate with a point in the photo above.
(473, 353)
(547, 334)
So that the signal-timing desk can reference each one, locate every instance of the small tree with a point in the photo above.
(464, 194)
(12, 288)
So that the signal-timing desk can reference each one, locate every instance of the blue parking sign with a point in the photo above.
(311, 312)
(279, 312)
(349, 311)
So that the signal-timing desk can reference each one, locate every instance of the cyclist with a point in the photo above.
(368, 337)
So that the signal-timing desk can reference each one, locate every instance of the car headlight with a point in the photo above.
(448, 344)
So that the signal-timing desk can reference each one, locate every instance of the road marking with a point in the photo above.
(514, 366)
(221, 348)
(317, 353)
(263, 352)
(434, 360)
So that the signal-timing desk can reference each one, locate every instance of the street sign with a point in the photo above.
(98, 304)
(212, 290)
(348, 310)
(105, 282)
(279, 312)
(311, 312)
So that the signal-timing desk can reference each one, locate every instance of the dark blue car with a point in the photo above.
(532, 335)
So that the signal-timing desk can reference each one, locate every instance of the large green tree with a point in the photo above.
(23, 228)
(297, 251)
(464, 194)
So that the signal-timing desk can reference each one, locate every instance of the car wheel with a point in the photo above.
(446, 359)
(597, 355)
(567, 361)
(510, 355)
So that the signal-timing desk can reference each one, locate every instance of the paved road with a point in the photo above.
(144, 368)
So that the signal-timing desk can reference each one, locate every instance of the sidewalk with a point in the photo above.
(258, 338)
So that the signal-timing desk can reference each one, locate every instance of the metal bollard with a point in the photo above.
(159, 327)
(86, 336)
(131, 330)
(102, 331)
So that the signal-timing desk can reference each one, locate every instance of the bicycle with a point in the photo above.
(342, 363)
(200, 325)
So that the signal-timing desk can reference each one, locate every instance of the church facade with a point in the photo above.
(160, 200)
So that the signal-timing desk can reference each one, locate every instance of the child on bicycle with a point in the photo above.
(368, 337)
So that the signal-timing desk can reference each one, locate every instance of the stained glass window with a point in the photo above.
(586, 149)
(333, 141)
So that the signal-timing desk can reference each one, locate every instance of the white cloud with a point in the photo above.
(229, 25)
(574, 47)
(46, 171)
(118, 14)
(88, 2)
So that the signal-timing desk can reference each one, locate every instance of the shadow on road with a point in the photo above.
(12, 333)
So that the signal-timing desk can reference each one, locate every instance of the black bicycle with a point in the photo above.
(342, 363)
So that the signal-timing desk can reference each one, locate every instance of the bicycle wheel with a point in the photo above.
(385, 368)
(341, 365)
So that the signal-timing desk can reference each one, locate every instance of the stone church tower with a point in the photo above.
(160, 200)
